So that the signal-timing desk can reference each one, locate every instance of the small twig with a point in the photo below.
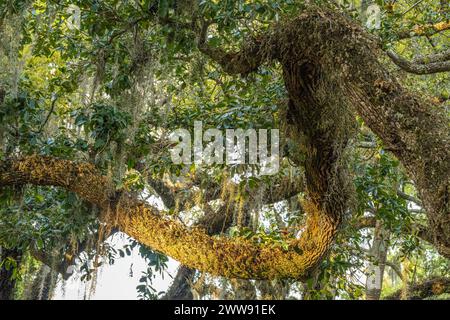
(413, 6)
(52, 108)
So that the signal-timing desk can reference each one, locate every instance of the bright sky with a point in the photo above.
(117, 281)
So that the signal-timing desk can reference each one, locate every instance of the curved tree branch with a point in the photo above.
(81, 178)
(234, 257)
(346, 64)
(410, 126)
(245, 61)
(419, 68)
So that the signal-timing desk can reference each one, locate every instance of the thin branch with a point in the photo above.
(405, 196)
(52, 109)
(424, 30)
(127, 28)
(61, 266)
(193, 247)
(365, 222)
(412, 7)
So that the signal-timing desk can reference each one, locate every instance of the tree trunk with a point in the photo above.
(377, 262)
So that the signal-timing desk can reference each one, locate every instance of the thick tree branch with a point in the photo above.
(247, 60)
(80, 178)
(418, 68)
(234, 258)
(216, 222)
(420, 291)
(410, 126)
(243, 62)
(436, 57)
(281, 188)
(365, 222)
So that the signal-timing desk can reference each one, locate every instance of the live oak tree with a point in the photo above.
(94, 121)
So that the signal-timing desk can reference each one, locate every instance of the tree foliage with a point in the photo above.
(90, 91)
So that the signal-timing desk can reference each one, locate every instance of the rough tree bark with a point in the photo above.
(214, 222)
(232, 258)
(415, 129)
